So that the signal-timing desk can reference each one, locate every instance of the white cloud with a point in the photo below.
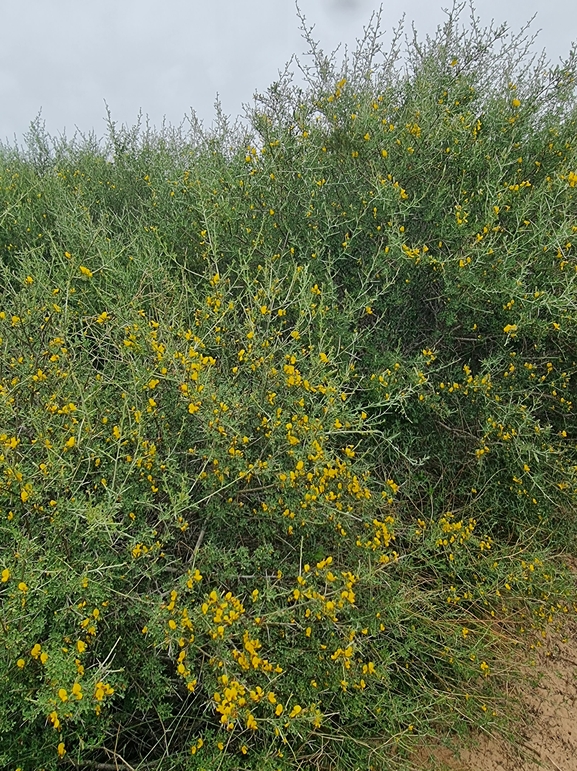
(67, 56)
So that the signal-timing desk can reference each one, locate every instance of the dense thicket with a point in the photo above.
(287, 415)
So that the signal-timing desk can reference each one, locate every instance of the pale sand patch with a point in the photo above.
(547, 735)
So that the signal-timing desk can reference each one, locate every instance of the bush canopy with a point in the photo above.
(287, 414)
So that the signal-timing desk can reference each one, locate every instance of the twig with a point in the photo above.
(125, 763)
(109, 766)
(550, 759)
(198, 544)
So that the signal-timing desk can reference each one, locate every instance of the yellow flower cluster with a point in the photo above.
(382, 535)
(224, 611)
(250, 657)
(317, 600)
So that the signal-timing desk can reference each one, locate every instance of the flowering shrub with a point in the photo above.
(287, 422)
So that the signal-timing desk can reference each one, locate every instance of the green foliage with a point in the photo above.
(287, 416)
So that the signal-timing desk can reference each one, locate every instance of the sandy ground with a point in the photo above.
(547, 736)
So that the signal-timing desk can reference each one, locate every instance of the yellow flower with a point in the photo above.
(21, 663)
(279, 710)
(509, 328)
(86, 271)
(62, 694)
(5, 575)
(251, 722)
(516, 103)
(61, 750)
(22, 586)
(101, 690)
(296, 710)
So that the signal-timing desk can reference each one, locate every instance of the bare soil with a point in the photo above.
(547, 735)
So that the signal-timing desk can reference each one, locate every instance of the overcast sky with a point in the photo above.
(65, 57)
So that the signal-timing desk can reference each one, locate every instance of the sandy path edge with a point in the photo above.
(547, 734)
